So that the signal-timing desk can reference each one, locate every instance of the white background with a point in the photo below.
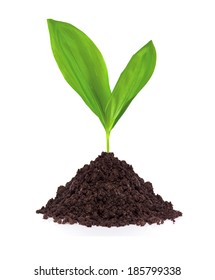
(167, 134)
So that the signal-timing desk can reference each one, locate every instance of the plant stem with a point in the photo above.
(107, 141)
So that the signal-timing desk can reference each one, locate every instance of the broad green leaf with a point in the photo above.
(81, 64)
(134, 77)
(83, 67)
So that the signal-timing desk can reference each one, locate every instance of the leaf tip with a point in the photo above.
(151, 44)
(50, 22)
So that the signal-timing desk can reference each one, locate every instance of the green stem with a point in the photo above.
(107, 141)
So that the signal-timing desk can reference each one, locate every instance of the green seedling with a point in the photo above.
(84, 68)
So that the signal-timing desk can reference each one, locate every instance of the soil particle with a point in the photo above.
(107, 192)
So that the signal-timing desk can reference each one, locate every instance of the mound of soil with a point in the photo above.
(108, 192)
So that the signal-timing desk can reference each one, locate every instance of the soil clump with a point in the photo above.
(107, 192)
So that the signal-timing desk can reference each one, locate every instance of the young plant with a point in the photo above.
(84, 68)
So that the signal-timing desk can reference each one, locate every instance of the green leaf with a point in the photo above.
(82, 65)
(134, 77)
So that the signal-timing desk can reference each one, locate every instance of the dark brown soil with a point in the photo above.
(107, 192)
